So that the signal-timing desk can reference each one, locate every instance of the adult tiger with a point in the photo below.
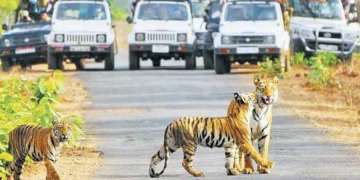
(229, 132)
(266, 93)
(41, 144)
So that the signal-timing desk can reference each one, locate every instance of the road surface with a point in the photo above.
(130, 110)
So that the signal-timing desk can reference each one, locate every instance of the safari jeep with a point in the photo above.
(81, 29)
(320, 25)
(162, 29)
(250, 31)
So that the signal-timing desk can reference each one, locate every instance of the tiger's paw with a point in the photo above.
(267, 165)
(199, 174)
(262, 170)
(233, 172)
(248, 170)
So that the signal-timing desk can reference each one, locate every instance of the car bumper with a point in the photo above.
(185, 48)
(242, 51)
(81, 49)
(339, 47)
(28, 52)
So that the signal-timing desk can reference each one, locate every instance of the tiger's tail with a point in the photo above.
(166, 150)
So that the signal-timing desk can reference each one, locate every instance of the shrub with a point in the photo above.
(321, 71)
(116, 12)
(299, 59)
(30, 102)
(270, 68)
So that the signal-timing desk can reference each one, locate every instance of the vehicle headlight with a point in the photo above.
(181, 37)
(351, 36)
(226, 40)
(140, 36)
(305, 33)
(7, 42)
(59, 38)
(269, 39)
(101, 38)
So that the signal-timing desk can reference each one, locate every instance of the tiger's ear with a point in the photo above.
(241, 98)
(256, 80)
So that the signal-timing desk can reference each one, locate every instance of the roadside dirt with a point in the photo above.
(335, 109)
(76, 162)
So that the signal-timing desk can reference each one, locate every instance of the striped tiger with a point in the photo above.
(229, 132)
(40, 144)
(266, 93)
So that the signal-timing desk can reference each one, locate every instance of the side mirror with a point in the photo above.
(129, 19)
(5, 27)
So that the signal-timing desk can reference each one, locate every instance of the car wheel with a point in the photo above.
(110, 60)
(54, 62)
(79, 64)
(6, 64)
(156, 62)
(208, 59)
(190, 61)
(222, 66)
(134, 61)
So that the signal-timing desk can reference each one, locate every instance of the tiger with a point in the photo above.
(266, 93)
(229, 132)
(40, 144)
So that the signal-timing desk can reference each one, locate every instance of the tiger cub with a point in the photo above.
(40, 144)
(229, 132)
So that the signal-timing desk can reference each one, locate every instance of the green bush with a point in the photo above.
(327, 59)
(321, 68)
(270, 68)
(299, 59)
(117, 13)
(30, 102)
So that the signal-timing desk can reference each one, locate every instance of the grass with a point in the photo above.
(334, 108)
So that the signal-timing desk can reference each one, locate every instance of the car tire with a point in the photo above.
(190, 61)
(54, 62)
(79, 64)
(134, 61)
(208, 59)
(6, 64)
(110, 60)
(222, 66)
(156, 62)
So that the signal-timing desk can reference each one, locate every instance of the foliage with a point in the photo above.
(321, 71)
(117, 13)
(30, 102)
(327, 59)
(270, 68)
(299, 59)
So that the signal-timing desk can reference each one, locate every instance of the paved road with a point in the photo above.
(131, 109)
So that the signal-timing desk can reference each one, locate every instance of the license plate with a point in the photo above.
(80, 48)
(27, 50)
(160, 49)
(247, 50)
(328, 47)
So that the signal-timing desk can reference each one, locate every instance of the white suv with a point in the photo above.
(162, 29)
(249, 32)
(81, 29)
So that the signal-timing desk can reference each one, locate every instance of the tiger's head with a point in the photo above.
(266, 91)
(61, 131)
(242, 103)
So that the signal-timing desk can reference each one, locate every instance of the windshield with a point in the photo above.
(81, 11)
(198, 8)
(250, 12)
(326, 9)
(163, 11)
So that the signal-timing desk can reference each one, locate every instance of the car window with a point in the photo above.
(163, 11)
(330, 9)
(81, 11)
(251, 12)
